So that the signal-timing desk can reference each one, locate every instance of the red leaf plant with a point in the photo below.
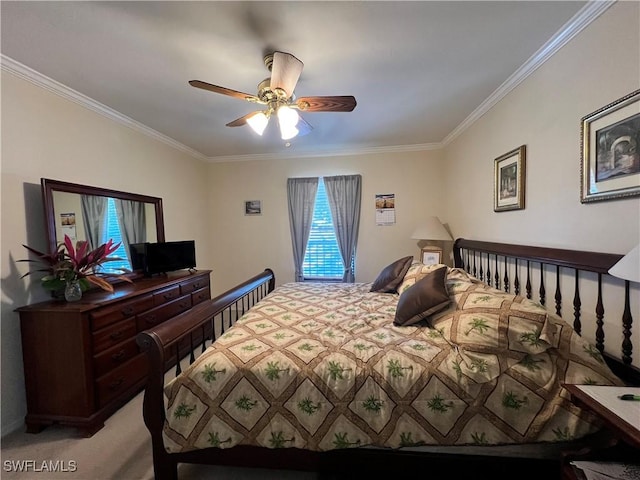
(74, 262)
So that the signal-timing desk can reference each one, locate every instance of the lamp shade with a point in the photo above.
(628, 267)
(431, 229)
(288, 119)
(258, 122)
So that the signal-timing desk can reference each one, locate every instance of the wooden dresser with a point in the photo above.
(81, 360)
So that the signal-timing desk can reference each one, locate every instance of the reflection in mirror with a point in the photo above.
(98, 215)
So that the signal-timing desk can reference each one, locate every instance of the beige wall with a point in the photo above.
(44, 135)
(599, 66)
(596, 68)
(243, 245)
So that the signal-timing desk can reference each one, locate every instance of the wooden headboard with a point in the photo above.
(518, 267)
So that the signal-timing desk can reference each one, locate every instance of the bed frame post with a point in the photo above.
(164, 468)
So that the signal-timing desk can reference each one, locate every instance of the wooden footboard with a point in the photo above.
(169, 342)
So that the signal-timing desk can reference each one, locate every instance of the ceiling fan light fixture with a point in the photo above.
(258, 122)
(287, 119)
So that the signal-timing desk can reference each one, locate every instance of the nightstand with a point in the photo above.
(620, 417)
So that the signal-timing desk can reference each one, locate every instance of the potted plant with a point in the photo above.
(75, 269)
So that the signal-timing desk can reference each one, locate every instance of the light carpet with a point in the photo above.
(120, 451)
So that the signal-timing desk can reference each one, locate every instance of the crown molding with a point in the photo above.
(326, 153)
(22, 71)
(592, 10)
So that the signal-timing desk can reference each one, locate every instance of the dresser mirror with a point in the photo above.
(98, 214)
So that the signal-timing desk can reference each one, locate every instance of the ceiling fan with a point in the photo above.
(276, 94)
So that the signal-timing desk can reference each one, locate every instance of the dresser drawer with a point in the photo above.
(116, 355)
(121, 378)
(108, 315)
(163, 312)
(113, 334)
(201, 295)
(191, 286)
(166, 295)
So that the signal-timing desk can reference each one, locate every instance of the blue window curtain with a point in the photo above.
(344, 193)
(301, 194)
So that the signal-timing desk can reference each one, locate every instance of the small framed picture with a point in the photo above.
(431, 255)
(509, 170)
(253, 207)
(610, 150)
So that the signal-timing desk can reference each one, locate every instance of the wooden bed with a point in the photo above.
(520, 270)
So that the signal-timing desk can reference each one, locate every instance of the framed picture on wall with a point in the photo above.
(610, 151)
(430, 255)
(509, 182)
(253, 207)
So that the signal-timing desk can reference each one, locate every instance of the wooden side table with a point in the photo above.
(620, 417)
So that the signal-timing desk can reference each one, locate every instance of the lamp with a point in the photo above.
(628, 267)
(431, 229)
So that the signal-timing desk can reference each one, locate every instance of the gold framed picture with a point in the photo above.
(431, 255)
(509, 170)
(610, 151)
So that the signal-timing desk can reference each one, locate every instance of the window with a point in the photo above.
(112, 231)
(322, 259)
(320, 242)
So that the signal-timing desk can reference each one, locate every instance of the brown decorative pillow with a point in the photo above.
(426, 297)
(391, 276)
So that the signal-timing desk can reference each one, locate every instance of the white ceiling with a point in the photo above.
(421, 71)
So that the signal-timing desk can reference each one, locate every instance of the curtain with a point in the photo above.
(343, 194)
(301, 193)
(94, 214)
(132, 222)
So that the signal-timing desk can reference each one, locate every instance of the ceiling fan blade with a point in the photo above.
(239, 122)
(343, 103)
(303, 127)
(224, 91)
(285, 72)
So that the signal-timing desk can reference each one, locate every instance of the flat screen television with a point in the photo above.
(162, 257)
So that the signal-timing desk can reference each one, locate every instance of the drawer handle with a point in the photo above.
(116, 357)
(150, 319)
(184, 304)
(167, 296)
(127, 311)
(115, 335)
(116, 383)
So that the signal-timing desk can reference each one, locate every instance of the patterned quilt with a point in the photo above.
(321, 366)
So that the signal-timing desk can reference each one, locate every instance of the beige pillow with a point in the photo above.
(391, 276)
(416, 272)
(424, 298)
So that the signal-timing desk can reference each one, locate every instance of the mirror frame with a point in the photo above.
(49, 186)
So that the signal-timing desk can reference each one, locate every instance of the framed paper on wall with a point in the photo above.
(430, 255)
(610, 142)
(253, 207)
(509, 172)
